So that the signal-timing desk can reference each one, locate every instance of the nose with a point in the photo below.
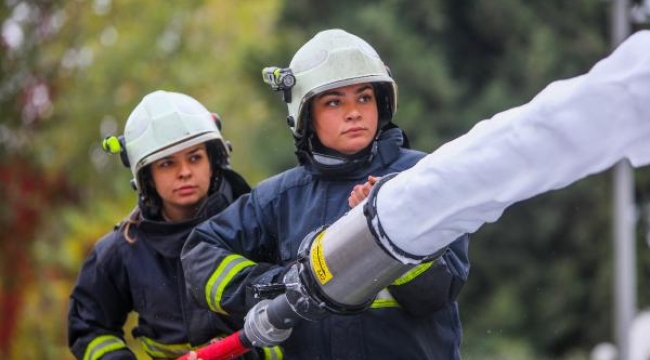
(352, 112)
(185, 170)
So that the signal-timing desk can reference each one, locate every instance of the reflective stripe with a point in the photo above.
(227, 269)
(413, 273)
(101, 345)
(160, 350)
(383, 300)
(273, 353)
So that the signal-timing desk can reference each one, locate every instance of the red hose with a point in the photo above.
(225, 349)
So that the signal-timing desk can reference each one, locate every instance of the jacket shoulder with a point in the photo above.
(269, 189)
(111, 247)
(407, 158)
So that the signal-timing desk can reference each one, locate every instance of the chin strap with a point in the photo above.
(332, 162)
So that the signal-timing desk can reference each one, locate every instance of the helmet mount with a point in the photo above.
(331, 59)
(280, 79)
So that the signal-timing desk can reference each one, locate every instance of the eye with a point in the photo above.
(364, 98)
(196, 158)
(165, 163)
(333, 102)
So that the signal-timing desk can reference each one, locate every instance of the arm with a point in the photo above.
(97, 312)
(231, 251)
(432, 285)
(429, 286)
(572, 129)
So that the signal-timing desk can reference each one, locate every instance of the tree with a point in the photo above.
(71, 73)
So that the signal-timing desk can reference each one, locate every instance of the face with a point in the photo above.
(345, 119)
(182, 180)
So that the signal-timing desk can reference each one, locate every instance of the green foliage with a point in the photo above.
(541, 282)
(79, 70)
(542, 276)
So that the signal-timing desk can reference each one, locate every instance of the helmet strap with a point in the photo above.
(149, 201)
(332, 162)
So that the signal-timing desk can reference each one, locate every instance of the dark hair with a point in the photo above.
(304, 143)
(149, 201)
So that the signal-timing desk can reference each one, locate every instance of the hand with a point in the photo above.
(192, 355)
(360, 192)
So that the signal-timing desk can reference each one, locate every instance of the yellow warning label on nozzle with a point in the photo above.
(318, 263)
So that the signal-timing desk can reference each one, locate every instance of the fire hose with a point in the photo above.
(327, 278)
(572, 129)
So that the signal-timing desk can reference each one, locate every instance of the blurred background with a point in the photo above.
(543, 283)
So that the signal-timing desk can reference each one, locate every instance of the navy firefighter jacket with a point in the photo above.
(144, 276)
(257, 238)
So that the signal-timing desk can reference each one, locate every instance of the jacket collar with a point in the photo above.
(168, 238)
(386, 150)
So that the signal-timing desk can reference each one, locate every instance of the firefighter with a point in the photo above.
(341, 100)
(181, 172)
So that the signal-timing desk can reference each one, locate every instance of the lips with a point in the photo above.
(186, 190)
(354, 130)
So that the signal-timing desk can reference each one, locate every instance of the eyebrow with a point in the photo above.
(196, 149)
(338, 93)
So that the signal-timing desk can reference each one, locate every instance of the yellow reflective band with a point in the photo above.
(384, 303)
(273, 353)
(226, 271)
(160, 350)
(102, 345)
(413, 273)
(384, 300)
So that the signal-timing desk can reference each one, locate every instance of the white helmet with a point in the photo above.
(332, 59)
(164, 123)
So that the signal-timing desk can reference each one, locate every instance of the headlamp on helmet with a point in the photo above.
(164, 123)
(332, 59)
